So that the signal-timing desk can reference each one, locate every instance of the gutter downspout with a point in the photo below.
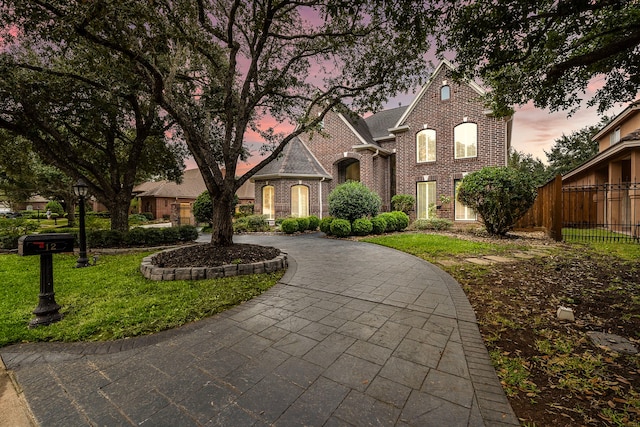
(320, 194)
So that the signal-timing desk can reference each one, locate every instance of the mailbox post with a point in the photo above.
(45, 245)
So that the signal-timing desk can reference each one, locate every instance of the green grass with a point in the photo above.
(112, 299)
(433, 247)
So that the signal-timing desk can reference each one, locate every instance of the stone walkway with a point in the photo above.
(354, 335)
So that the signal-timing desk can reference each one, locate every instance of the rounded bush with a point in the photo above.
(500, 195)
(378, 225)
(402, 219)
(188, 233)
(170, 235)
(361, 227)
(289, 225)
(325, 225)
(314, 222)
(390, 219)
(403, 202)
(155, 236)
(55, 207)
(340, 227)
(303, 223)
(136, 237)
(353, 200)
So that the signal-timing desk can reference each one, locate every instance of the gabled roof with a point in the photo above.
(443, 64)
(358, 126)
(296, 161)
(191, 187)
(631, 109)
(380, 122)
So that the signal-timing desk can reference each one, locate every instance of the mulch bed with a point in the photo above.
(207, 255)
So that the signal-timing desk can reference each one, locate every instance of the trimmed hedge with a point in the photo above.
(314, 222)
(402, 220)
(391, 220)
(289, 225)
(379, 225)
(340, 227)
(303, 223)
(361, 227)
(325, 225)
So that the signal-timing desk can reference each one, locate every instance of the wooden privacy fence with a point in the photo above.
(601, 212)
(546, 212)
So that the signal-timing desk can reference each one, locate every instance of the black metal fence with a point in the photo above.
(604, 212)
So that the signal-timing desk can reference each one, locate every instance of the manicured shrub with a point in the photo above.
(251, 223)
(500, 195)
(170, 235)
(378, 225)
(437, 224)
(314, 222)
(403, 202)
(390, 219)
(340, 227)
(188, 233)
(303, 223)
(136, 236)
(155, 236)
(402, 220)
(353, 200)
(325, 224)
(289, 225)
(361, 227)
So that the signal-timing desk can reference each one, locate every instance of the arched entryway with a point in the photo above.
(348, 170)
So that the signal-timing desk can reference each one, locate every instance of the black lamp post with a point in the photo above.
(80, 190)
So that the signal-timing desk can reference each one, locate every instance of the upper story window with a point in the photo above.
(445, 93)
(615, 136)
(426, 146)
(465, 136)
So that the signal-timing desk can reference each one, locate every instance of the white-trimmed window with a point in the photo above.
(463, 213)
(426, 200)
(268, 201)
(426, 146)
(465, 136)
(615, 136)
(445, 93)
(299, 201)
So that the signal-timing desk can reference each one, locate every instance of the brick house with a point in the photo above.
(423, 149)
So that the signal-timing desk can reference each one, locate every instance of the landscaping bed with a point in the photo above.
(551, 371)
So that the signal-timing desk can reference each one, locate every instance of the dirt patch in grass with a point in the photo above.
(208, 255)
(552, 373)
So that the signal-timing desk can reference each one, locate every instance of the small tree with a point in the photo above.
(353, 200)
(203, 208)
(500, 196)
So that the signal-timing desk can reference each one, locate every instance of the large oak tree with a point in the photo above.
(218, 67)
(547, 51)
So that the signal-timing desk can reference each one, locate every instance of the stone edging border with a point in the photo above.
(153, 272)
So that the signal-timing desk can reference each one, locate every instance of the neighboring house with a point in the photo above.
(423, 149)
(34, 203)
(166, 199)
(611, 177)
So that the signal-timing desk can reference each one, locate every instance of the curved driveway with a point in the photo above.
(354, 335)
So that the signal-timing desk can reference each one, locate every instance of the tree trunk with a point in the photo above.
(222, 221)
(119, 210)
(71, 214)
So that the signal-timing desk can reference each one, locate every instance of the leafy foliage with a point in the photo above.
(251, 223)
(500, 195)
(289, 225)
(527, 164)
(361, 227)
(203, 208)
(402, 220)
(314, 222)
(403, 202)
(390, 220)
(340, 227)
(303, 223)
(547, 52)
(569, 152)
(325, 224)
(437, 224)
(378, 225)
(353, 200)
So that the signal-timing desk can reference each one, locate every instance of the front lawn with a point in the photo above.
(112, 299)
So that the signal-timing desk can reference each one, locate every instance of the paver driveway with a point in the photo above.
(355, 334)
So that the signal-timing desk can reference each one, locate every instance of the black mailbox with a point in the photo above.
(39, 244)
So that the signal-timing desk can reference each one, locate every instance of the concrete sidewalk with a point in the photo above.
(355, 334)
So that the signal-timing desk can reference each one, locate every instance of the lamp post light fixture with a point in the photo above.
(80, 190)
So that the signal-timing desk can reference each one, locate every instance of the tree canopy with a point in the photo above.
(217, 68)
(546, 51)
(570, 151)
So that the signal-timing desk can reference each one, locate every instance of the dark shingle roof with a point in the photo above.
(191, 187)
(380, 122)
(295, 161)
(360, 126)
(632, 136)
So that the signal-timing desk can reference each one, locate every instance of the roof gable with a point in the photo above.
(443, 66)
(296, 160)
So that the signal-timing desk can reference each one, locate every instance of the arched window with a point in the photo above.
(426, 146)
(268, 201)
(445, 93)
(465, 136)
(299, 201)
